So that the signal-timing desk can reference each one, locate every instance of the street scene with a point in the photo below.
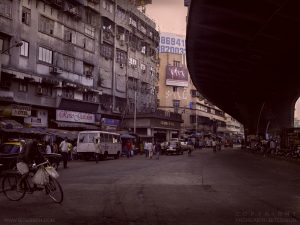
(227, 187)
(149, 112)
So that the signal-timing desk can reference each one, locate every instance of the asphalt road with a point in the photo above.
(228, 187)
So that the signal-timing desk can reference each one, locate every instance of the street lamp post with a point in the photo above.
(17, 44)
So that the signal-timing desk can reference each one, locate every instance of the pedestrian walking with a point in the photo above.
(214, 145)
(157, 150)
(150, 149)
(146, 147)
(64, 152)
(97, 149)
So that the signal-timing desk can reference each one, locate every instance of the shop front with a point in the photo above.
(158, 126)
(73, 120)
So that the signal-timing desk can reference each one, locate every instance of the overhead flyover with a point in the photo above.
(243, 55)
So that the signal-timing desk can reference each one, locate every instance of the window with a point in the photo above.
(132, 62)
(25, 49)
(143, 50)
(89, 30)
(106, 51)
(195, 93)
(192, 119)
(69, 63)
(69, 35)
(4, 43)
(143, 67)
(23, 87)
(68, 93)
(83, 138)
(132, 22)
(26, 16)
(5, 8)
(108, 6)
(46, 25)
(89, 97)
(176, 104)
(47, 90)
(176, 63)
(90, 17)
(45, 55)
(88, 69)
(121, 56)
(121, 13)
(175, 89)
(158, 102)
(132, 83)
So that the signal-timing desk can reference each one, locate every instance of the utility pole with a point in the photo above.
(134, 117)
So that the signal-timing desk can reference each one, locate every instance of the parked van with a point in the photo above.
(109, 144)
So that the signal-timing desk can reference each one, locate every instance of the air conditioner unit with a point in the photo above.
(55, 70)
(39, 90)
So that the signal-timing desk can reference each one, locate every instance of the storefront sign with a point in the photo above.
(20, 110)
(39, 120)
(71, 116)
(177, 76)
(110, 122)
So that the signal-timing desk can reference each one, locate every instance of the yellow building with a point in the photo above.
(176, 92)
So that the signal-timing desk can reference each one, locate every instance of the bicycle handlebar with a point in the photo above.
(43, 163)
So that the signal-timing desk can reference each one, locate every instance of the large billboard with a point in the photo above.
(171, 43)
(177, 76)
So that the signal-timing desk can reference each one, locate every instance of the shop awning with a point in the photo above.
(10, 124)
(77, 125)
(20, 75)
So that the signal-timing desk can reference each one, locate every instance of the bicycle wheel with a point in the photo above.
(9, 187)
(54, 190)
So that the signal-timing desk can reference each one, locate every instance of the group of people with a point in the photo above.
(152, 149)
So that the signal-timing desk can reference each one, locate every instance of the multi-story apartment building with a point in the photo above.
(176, 92)
(81, 62)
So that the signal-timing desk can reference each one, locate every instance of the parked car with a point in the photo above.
(174, 147)
(186, 146)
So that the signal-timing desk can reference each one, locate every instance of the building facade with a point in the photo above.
(176, 92)
(81, 63)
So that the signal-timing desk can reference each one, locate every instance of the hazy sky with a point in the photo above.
(170, 15)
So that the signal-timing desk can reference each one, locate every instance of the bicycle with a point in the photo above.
(11, 179)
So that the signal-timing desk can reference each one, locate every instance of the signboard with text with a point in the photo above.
(172, 43)
(177, 76)
(20, 110)
(72, 116)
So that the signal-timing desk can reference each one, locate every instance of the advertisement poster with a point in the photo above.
(172, 43)
(177, 76)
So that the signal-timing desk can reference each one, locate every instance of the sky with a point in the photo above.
(170, 15)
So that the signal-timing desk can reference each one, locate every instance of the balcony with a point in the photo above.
(57, 3)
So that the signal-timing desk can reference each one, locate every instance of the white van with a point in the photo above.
(109, 143)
